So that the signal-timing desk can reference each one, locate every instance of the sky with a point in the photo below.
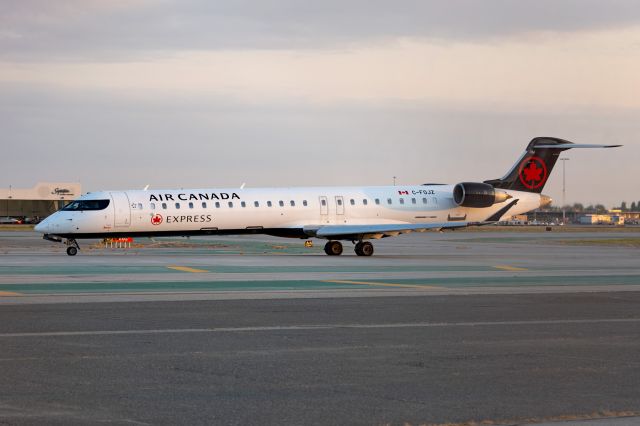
(121, 94)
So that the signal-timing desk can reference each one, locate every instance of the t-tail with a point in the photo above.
(532, 170)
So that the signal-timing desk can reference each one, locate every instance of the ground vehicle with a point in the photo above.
(9, 221)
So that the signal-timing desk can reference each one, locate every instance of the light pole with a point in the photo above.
(564, 191)
(9, 198)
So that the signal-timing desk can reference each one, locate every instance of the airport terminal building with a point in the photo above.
(37, 202)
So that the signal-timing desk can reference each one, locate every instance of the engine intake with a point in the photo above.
(473, 194)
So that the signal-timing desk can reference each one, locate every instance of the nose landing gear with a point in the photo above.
(73, 248)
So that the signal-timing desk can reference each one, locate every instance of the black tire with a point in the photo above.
(358, 249)
(333, 248)
(366, 249)
(327, 249)
(72, 251)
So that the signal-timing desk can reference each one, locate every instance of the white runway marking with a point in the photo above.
(321, 327)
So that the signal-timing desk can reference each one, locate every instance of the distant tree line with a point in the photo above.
(633, 208)
(579, 207)
(598, 208)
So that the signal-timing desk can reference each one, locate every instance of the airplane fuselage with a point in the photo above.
(287, 212)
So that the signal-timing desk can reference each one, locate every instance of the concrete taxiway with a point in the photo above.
(510, 327)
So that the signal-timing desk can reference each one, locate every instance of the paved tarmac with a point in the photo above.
(509, 328)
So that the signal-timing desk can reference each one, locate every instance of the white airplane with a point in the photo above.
(356, 214)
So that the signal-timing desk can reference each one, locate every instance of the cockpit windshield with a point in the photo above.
(81, 205)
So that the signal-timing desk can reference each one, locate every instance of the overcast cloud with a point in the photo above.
(118, 29)
(120, 94)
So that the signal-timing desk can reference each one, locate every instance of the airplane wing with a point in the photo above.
(356, 232)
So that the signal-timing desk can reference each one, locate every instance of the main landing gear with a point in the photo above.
(73, 248)
(363, 248)
(333, 248)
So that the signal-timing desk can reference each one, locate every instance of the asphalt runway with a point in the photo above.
(509, 328)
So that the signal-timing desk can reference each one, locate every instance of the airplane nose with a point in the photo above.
(41, 227)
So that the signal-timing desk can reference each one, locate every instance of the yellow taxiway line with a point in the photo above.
(187, 269)
(9, 293)
(509, 268)
(428, 287)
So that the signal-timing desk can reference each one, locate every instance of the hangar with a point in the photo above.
(37, 202)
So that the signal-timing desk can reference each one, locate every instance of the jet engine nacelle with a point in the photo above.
(473, 194)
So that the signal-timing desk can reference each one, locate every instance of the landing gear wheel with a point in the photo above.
(364, 248)
(73, 247)
(333, 248)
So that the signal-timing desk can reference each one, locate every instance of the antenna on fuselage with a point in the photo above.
(146, 187)
(243, 184)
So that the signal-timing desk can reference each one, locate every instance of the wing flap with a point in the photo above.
(378, 231)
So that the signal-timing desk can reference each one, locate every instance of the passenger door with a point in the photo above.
(121, 209)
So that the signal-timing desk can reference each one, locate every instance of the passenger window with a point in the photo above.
(178, 206)
(164, 205)
(293, 203)
(140, 206)
(190, 205)
(281, 203)
(401, 200)
(353, 202)
(389, 201)
(230, 204)
(204, 205)
(425, 201)
(378, 201)
(269, 204)
(323, 202)
(365, 202)
(304, 203)
(414, 201)
(256, 204)
(243, 204)
(153, 206)
(217, 204)
(339, 201)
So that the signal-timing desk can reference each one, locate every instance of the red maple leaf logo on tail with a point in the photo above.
(533, 172)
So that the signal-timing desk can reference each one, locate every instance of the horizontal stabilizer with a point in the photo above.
(575, 145)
